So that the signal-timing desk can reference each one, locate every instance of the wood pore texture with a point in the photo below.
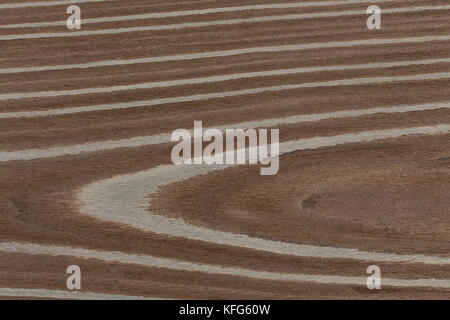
(341, 206)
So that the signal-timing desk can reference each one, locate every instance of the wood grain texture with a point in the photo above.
(86, 176)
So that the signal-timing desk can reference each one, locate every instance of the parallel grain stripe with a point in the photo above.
(46, 3)
(226, 53)
(207, 96)
(201, 11)
(33, 154)
(60, 294)
(220, 78)
(219, 22)
(206, 24)
(151, 261)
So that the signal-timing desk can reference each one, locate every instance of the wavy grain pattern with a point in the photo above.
(85, 170)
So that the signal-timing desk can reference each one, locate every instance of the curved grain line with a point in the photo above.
(124, 199)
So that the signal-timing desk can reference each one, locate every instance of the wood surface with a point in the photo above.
(85, 181)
